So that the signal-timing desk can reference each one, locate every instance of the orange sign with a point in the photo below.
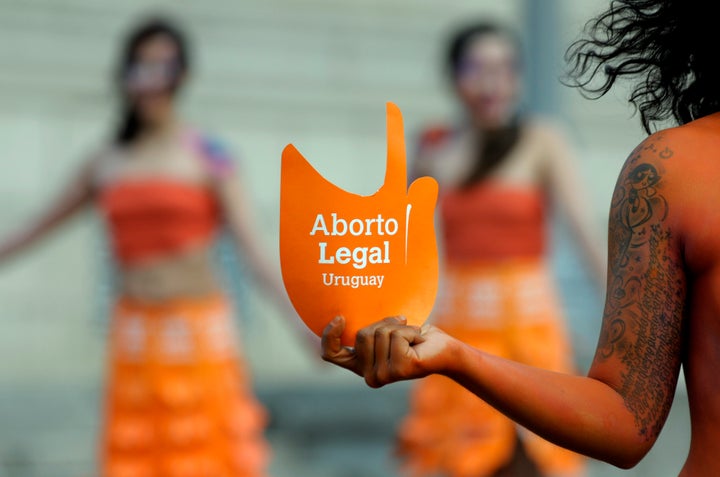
(363, 257)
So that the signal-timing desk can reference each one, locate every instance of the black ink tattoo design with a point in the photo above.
(646, 294)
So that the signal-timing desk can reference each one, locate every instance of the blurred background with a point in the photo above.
(313, 72)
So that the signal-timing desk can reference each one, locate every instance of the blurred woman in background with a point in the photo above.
(497, 171)
(178, 403)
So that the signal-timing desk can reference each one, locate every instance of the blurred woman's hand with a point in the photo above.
(390, 351)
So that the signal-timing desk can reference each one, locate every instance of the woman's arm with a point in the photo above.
(74, 196)
(238, 214)
(565, 186)
(616, 412)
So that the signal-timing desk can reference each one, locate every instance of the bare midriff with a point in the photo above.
(162, 234)
(189, 273)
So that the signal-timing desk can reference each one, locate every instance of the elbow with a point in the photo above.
(630, 455)
(626, 462)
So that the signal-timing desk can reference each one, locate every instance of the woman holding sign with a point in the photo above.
(496, 173)
(177, 403)
(661, 308)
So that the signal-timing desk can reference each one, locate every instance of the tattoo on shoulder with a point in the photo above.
(646, 289)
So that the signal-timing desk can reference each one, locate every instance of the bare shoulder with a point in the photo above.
(682, 141)
(545, 131)
(654, 169)
(99, 163)
(543, 126)
(435, 147)
(671, 153)
(688, 158)
(101, 154)
(549, 146)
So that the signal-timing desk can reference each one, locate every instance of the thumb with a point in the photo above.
(331, 342)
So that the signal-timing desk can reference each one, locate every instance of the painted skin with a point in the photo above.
(661, 311)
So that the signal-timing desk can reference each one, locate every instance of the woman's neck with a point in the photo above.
(160, 131)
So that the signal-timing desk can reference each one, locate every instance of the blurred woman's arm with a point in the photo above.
(616, 412)
(238, 212)
(566, 188)
(239, 216)
(74, 196)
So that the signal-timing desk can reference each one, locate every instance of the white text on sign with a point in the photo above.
(360, 257)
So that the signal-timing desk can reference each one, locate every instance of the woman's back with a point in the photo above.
(691, 156)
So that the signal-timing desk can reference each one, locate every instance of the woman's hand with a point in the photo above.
(390, 351)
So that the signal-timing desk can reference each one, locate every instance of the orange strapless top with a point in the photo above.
(490, 221)
(148, 218)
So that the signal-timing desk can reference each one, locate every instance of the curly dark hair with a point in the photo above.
(667, 46)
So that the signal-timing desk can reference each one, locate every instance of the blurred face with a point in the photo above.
(488, 80)
(152, 78)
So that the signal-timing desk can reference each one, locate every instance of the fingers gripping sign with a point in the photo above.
(390, 350)
(362, 257)
(384, 351)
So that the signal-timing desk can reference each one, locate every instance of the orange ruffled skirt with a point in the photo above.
(179, 402)
(510, 310)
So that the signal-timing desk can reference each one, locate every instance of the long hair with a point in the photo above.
(130, 124)
(667, 46)
(495, 145)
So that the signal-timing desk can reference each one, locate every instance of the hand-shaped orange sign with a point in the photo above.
(363, 257)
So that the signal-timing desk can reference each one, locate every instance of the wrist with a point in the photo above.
(455, 357)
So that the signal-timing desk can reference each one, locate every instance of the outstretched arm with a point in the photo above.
(616, 412)
(238, 214)
(76, 194)
(565, 185)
